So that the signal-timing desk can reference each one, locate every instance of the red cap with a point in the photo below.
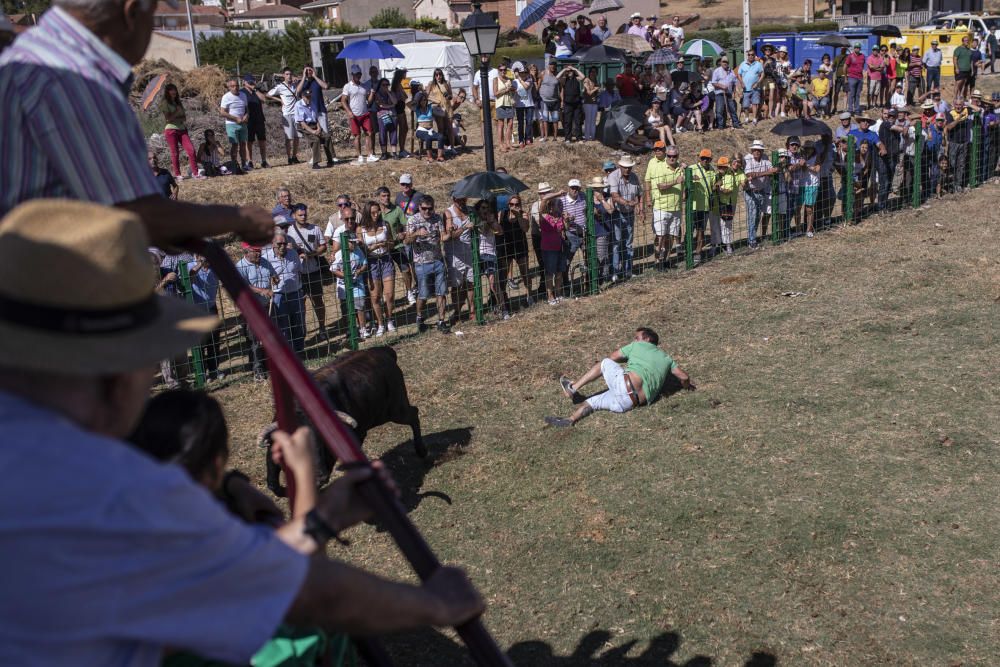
(247, 246)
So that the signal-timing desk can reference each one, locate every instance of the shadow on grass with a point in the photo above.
(429, 647)
(409, 471)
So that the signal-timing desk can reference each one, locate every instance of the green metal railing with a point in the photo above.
(591, 243)
(352, 316)
(184, 273)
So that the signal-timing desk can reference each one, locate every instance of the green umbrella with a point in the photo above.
(702, 48)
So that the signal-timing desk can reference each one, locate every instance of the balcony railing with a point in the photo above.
(901, 19)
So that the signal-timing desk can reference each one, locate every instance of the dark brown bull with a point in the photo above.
(368, 389)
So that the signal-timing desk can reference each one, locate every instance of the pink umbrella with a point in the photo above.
(561, 9)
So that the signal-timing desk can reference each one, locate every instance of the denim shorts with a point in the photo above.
(427, 272)
(489, 264)
(554, 262)
(751, 97)
(380, 268)
(505, 113)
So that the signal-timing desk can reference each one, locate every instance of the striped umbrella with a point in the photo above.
(702, 48)
(533, 13)
(561, 9)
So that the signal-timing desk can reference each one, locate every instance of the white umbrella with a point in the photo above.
(702, 48)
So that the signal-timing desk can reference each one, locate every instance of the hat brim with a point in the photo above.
(178, 326)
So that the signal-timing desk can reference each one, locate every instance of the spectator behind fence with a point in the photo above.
(457, 237)
(626, 193)
(378, 241)
(603, 209)
(513, 246)
(312, 255)
(205, 293)
(262, 278)
(396, 220)
(288, 291)
(176, 133)
(157, 562)
(489, 228)
(284, 92)
(356, 268)
(256, 125)
(423, 234)
(664, 187)
(552, 225)
(572, 103)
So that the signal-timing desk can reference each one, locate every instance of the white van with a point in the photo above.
(979, 24)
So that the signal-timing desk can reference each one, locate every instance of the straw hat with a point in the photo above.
(626, 161)
(544, 188)
(757, 145)
(597, 182)
(93, 309)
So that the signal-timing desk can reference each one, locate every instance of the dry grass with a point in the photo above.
(823, 499)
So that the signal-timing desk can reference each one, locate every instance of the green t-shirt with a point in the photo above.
(962, 57)
(702, 185)
(650, 363)
(730, 185)
(396, 220)
(178, 124)
(660, 171)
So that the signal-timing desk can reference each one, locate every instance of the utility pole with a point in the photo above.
(746, 26)
(194, 39)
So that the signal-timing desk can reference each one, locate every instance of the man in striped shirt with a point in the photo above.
(67, 130)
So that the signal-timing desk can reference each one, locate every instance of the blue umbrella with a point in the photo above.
(533, 13)
(369, 49)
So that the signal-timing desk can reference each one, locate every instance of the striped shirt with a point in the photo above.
(66, 127)
(576, 209)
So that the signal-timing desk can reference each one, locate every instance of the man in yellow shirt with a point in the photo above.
(819, 96)
(664, 187)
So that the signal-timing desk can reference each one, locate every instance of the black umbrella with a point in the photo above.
(600, 54)
(619, 123)
(833, 40)
(886, 31)
(800, 127)
(486, 184)
(679, 76)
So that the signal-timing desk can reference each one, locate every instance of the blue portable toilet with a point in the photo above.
(777, 40)
(806, 48)
(861, 33)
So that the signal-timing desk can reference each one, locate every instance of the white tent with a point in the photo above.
(421, 59)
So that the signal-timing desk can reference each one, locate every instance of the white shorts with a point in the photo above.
(459, 273)
(667, 222)
(616, 398)
(289, 125)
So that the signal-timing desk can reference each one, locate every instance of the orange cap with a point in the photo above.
(723, 161)
(705, 152)
(660, 144)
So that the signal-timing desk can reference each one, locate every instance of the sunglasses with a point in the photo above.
(342, 204)
(426, 208)
(280, 243)
(673, 157)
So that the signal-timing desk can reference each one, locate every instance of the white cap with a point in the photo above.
(635, 15)
(574, 183)
(406, 178)
(783, 49)
(355, 69)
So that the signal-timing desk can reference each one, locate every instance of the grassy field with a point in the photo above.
(826, 497)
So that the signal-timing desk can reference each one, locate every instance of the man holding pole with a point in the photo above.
(638, 383)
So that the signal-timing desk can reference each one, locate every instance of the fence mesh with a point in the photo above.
(690, 214)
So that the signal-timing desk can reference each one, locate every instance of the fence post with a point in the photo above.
(688, 221)
(918, 159)
(352, 317)
(849, 181)
(977, 146)
(591, 242)
(198, 362)
(477, 284)
(775, 215)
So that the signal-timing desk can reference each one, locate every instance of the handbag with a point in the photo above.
(387, 118)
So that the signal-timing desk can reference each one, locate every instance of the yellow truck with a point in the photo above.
(921, 37)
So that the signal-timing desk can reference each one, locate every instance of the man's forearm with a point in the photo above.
(169, 222)
(329, 598)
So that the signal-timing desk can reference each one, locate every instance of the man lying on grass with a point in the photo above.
(637, 384)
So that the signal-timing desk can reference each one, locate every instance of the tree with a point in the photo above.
(35, 7)
(389, 17)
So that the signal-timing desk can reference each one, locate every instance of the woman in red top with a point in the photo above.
(876, 80)
(891, 73)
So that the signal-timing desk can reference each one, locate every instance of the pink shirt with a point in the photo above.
(855, 64)
(875, 65)
(551, 229)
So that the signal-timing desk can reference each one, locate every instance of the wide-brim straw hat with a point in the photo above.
(77, 293)
(626, 161)
(597, 182)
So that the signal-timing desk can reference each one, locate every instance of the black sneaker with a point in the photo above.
(421, 325)
(442, 326)
(559, 422)
(567, 387)
(316, 166)
(264, 164)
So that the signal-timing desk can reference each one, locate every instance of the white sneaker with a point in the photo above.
(361, 160)
(224, 171)
(380, 331)
(178, 178)
(809, 235)
(411, 297)
(782, 114)
(364, 333)
(391, 326)
(373, 158)
(553, 302)
(506, 315)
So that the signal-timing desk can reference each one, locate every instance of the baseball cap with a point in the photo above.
(940, 116)
(705, 152)
(249, 78)
(355, 69)
(574, 183)
(659, 144)
(608, 165)
(635, 15)
(248, 246)
(934, 42)
(794, 141)
(282, 220)
(406, 179)
(723, 161)
(845, 116)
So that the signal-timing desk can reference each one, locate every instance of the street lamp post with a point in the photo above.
(480, 33)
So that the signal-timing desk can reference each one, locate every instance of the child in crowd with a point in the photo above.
(945, 177)
(459, 138)
(553, 228)
(189, 429)
(359, 264)
(210, 156)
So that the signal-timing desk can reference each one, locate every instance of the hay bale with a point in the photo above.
(205, 85)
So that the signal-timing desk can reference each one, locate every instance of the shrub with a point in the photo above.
(389, 17)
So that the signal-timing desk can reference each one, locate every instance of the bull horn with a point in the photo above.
(346, 418)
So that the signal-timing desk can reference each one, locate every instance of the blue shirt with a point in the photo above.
(205, 287)
(66, 128)
(110, 556)
(304, 113)
(316, 101)
(864, 137)
(933, 58)
(751, 73)
(257, 275)
(287, 267)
